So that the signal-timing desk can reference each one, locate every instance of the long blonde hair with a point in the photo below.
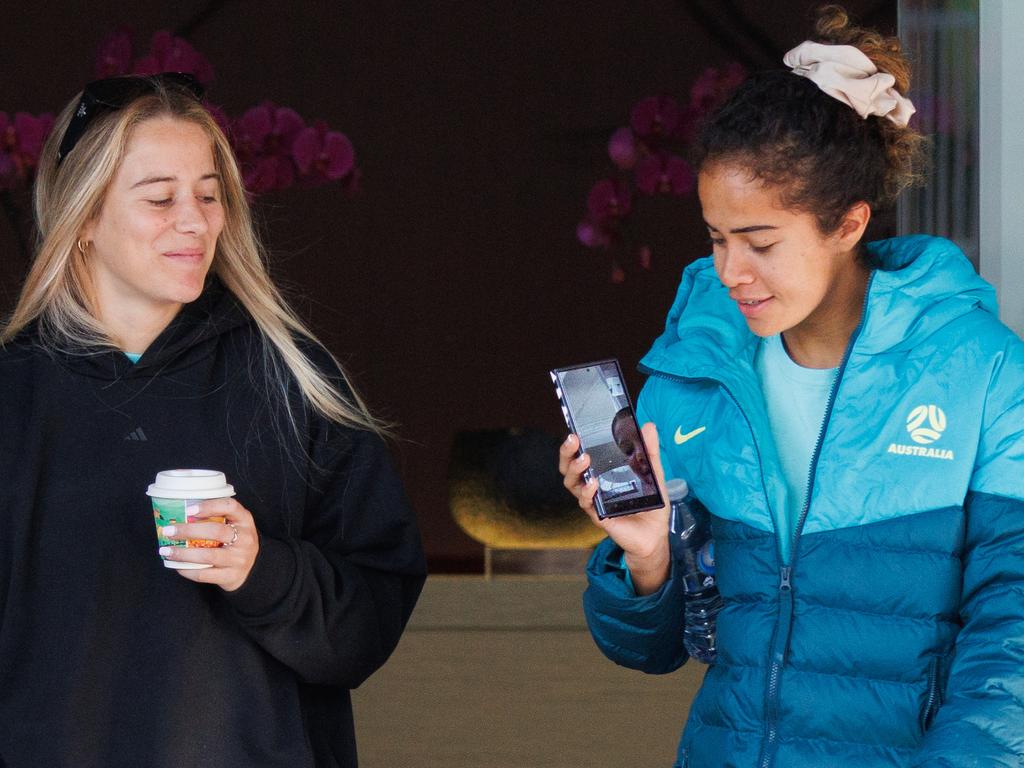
(57, 293)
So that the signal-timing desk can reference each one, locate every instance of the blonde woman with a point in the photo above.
(148, 336)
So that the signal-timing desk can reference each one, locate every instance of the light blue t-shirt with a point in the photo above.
(796, 398)
(133, 356)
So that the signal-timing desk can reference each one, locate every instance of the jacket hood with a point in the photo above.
(921, 284)
(183, 343)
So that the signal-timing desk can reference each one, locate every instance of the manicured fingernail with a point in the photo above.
(568, 439)
(191, 519)
(166, 551)
(170, 530)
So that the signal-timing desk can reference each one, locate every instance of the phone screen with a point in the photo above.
(597, 409)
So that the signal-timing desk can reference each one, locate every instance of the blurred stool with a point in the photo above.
(504, 490)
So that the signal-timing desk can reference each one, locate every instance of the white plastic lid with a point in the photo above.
(190, 484)
(677, 489)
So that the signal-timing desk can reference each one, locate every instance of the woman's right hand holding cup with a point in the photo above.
(642, 536)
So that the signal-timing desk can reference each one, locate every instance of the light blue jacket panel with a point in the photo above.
(894, 636)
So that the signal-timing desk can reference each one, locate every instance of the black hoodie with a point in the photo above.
(109, 659)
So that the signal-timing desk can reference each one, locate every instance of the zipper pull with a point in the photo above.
(784, 573)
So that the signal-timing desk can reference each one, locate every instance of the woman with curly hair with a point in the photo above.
(862, 455)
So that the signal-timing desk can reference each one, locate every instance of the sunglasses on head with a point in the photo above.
(113, 93)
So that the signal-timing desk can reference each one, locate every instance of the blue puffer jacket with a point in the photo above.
(894, 636)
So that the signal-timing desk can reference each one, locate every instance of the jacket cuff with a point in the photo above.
(608, 573)
(641, 632)
(270, 580)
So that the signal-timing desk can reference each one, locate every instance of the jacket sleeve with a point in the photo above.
(332, 601)
(639, 632)
(981, 722)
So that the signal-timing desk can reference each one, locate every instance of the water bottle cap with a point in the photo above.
(677, 489)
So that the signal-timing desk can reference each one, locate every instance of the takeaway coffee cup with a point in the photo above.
(176, 494)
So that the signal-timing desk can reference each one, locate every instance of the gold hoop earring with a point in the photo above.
(81, 248)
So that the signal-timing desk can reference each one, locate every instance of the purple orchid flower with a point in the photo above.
(623, 149)
(267, 128)
(174, 54)
(592, 235)
(321, 153)
(263, 140)
(664, 173)
(713, 85)
(274, 146)
(21, 142)
(32, 132)
(608, 202)
(655, 116)
(7, 170)
(648, 157)
(609, 199)
(114, 56)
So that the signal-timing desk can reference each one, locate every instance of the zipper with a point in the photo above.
(931, 704)
(780, 640)
(779, 646)
(824, 422)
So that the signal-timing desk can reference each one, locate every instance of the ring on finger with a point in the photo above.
(234, 534)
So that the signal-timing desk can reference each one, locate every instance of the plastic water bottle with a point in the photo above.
(693, 549)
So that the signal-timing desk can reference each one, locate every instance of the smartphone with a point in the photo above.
(598, 411)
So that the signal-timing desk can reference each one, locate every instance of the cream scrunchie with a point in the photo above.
(847, 74)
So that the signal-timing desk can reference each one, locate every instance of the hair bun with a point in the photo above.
(834, 27)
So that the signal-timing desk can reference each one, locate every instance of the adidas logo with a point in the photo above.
(136, 435)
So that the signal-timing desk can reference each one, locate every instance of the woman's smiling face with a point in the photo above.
(154, 239)
(779, 268)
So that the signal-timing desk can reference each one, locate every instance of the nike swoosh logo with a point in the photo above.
(681, 438)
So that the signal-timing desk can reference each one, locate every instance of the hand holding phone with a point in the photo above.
(643, 537)
(597, 410)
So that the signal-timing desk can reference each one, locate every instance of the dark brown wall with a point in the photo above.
(454, 281)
